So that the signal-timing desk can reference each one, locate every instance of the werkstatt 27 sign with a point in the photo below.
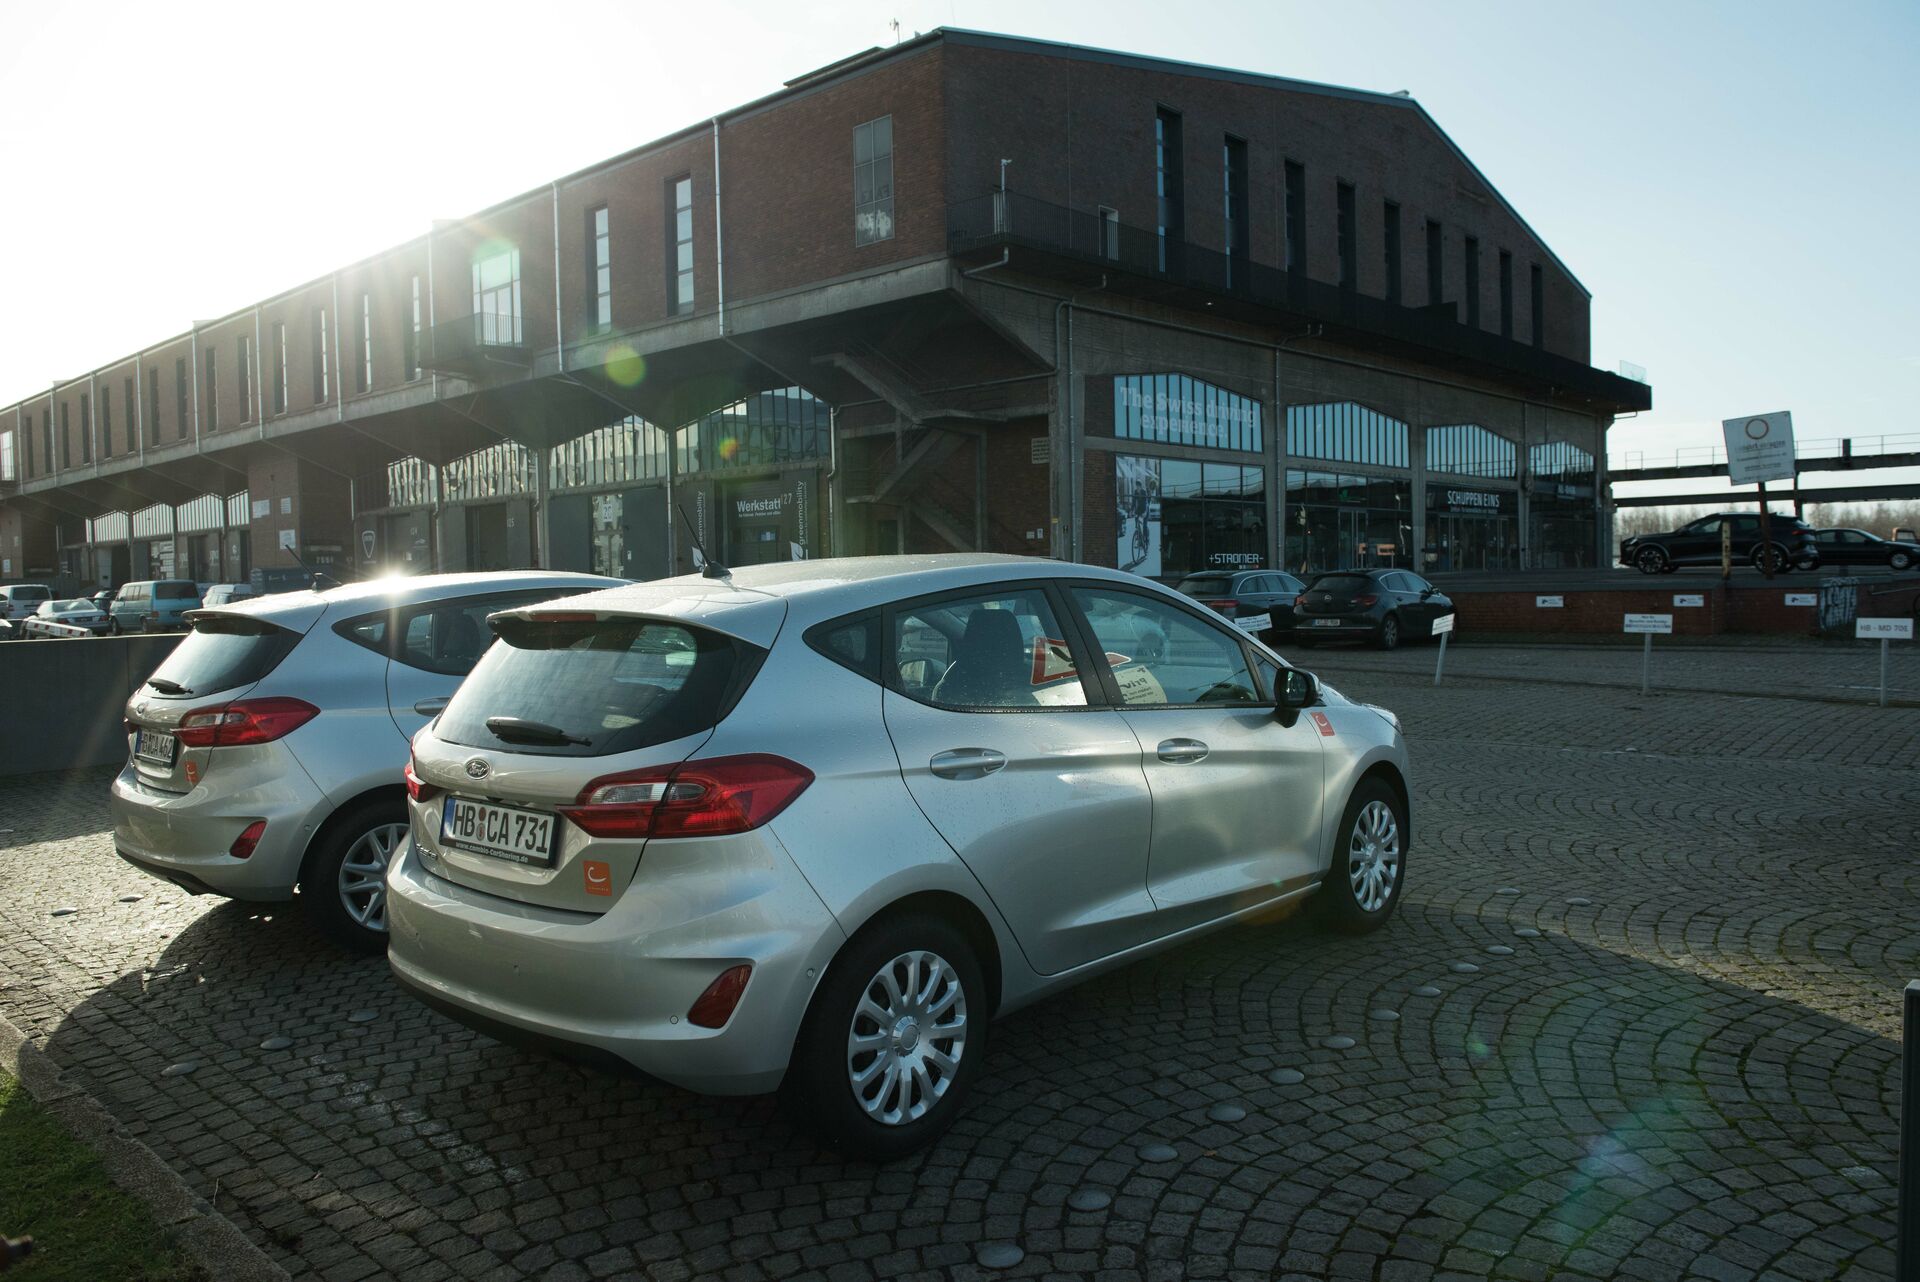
(1759, 447)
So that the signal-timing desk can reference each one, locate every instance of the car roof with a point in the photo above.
(300, 609)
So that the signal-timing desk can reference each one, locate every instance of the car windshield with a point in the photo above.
(1207, 584)
(176, 591)
(605, 685)
(222, 653)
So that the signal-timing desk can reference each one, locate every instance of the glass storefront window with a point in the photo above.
(1337, 521)
(768, 429)
(1467, 449)
(1346, 432)
(1184, 411)
(1174, 517)
(1471, 529)
(1563, 527)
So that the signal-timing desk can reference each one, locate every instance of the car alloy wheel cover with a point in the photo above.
(906, 1038)
(1649, 560)
(1390, 631)
(1373, 856)
(363, 875)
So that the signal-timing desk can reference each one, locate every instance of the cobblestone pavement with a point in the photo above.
(1840, 671)
(1638, 1018)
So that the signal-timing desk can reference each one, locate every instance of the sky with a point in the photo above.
(1736, 183)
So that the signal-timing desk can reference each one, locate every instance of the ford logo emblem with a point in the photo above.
(477, 768)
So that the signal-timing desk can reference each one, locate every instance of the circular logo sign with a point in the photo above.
(1757, 429)
(477, 768)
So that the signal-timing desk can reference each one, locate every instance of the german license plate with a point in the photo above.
(1325, 623)
(505, 832)
(154, 745)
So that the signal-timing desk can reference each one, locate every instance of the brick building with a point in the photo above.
(967, 292)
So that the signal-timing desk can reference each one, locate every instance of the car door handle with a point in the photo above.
(966, 763)
(432, 707)
(1181, 752)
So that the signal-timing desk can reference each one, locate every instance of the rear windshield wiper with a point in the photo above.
(164, 686)
(521, 730)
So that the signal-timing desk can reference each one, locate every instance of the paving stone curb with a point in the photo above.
(203, 1232)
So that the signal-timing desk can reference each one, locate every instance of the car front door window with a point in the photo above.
(1160, 656)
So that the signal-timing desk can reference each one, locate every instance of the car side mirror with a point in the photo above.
(1297, 690)
(1427, 592)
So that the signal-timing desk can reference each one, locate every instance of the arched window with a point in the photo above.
(1346, 432)
(1468, 449)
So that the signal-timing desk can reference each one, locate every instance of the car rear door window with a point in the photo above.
(1158, 655)
(222, 652)
(1002, 649)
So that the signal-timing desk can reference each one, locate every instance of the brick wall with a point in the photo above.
(1746, 609)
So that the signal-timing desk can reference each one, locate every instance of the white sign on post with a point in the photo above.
(1549, 603)
(1649, 623)
(1883, 629)
(1759, 447)
(1443, 624)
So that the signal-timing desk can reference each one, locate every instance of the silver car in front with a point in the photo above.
(264, 756)
(813, 826)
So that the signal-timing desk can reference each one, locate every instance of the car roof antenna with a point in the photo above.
(321, 582)
(707, 566)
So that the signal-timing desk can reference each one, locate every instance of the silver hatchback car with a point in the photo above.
(265, 753)
(812, 826)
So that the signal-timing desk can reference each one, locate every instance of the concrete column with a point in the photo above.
(1417, 472)
(543, 536)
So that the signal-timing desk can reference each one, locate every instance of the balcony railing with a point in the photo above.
(468, 345)
(1138, 256)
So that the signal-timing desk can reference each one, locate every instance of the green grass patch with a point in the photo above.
(84, 1226)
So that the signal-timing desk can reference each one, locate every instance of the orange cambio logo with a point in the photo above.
(599, 877)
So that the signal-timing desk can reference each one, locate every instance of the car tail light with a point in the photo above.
(243, 844)
(418, 788)
(711, 798)
(1226, 605)
(1364, 601)
(713, 1008)
(245, 722)
(1300, 602)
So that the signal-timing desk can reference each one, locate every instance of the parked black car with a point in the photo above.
(1385, 607)
(1857, 547)
(1245, 595)
(1698, 543)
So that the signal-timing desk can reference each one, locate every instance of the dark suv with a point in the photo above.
(1698, 543)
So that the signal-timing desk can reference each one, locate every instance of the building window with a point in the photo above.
(211, 408)
(153, 407)
(1177, 516)
(6, 457)
(66, 437)
(279, 367)
(1538, 298)
(1564, 461)
(1169, 188)
(680, 265)
(412, 332)
(1506, 294)
(1392, 240)
(1233, 195)
(133, 414)
(321, 357)
(1345, 235)
(363, 348)
(1346, 432)
(27, 427)
(1180, 410)
(86, 429)
(1109, 232)
(496, 298)
(1436, 270)
(1473, 281)
(599, 270)
(106, 422)
(1339, 521)
(183, 415)
(873, 181)
(1296, 213)
(243, 367)
(1467, 449)
(46, 439)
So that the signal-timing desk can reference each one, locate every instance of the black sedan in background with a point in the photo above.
(1857, 547)
(1385, 607)
(1245, 595)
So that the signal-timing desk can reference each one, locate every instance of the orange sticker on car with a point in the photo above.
(1326, 726)
(599, 877)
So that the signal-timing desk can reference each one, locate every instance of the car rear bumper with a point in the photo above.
(185, 837)
(619, 984)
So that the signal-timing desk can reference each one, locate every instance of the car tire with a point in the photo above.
(1369, 868)
(851, 1097)
(343, 880)
(1388, 637)
(1652, 560)
(1780, 559)
(1899, 560)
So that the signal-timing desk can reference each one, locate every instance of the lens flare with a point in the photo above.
(625, 366)
(728, 448)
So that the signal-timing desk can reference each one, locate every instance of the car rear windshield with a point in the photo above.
(182, 591)
(1342, 583)
(223, 652)
(1206, 585)
(606, 685)
(31, 594)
